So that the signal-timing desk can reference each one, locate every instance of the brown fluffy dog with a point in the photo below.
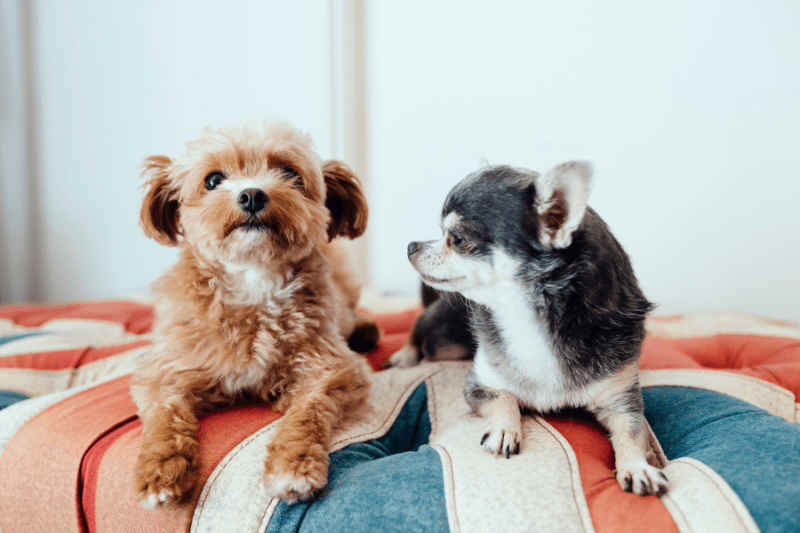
(260, 304)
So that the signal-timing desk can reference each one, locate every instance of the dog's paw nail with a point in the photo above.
(643, 480)
(511, 449)
(628, 487)
(502, 442)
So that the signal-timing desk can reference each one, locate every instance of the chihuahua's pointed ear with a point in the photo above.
(561, 196)
(345, 200)
(159, 213)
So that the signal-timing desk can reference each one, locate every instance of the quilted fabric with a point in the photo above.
(772, 359)
(757, 454)
(710, 378)
(398, 474)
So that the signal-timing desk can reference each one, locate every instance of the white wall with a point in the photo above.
(119, 81)
(691, 110)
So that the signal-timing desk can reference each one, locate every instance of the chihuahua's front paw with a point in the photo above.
(404, 357)
(296, 476)
(162, 481)
(502, 440)
(643, 480)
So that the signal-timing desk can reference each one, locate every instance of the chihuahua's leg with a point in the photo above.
(503, 434)
(624, 419)
(166, 467)
(406, 356)
(297, 456)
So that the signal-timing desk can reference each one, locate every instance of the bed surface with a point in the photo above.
(720, 393)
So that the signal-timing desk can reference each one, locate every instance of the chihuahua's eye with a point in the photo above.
(456, 240)
(214, 179)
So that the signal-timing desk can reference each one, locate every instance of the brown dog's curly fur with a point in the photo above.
(260, 304)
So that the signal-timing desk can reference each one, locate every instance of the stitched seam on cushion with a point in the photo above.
(678, 510)
(392, 414)
(766, 395)
(441, 450)
(200, 507)
(266, 518)
(758, 382)
(550, 429)
(691, 462)
(432, 417)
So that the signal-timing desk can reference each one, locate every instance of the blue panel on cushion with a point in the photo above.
(7, 398)
(390, 484)
(18, 336)
(757, 453)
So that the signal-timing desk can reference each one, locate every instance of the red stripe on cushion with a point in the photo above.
(41, 463)
(400, 322)
(613, 510)
(773, 359)
(395, 328)
(60, 462)
(115, 509)
(136, 318)
(61, 360)
(90, 464)
(390, 343)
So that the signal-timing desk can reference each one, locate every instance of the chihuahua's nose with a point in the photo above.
(253, 200)
(412, 248)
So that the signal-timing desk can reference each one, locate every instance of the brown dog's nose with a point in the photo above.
(253, 200)
(413, 247)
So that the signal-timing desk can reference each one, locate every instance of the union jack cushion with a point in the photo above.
(720, 394)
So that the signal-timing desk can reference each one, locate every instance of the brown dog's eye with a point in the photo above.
(214, 179)
(290, 174)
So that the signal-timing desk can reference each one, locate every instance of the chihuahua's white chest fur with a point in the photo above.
(523, 362)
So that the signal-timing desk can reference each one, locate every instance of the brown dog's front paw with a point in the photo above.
(502, 440)
(294, 477)
(161, 480)
(643, 480)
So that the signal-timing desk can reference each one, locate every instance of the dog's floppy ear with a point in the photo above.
(345, 200)
(561, 196)
(159, 213)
